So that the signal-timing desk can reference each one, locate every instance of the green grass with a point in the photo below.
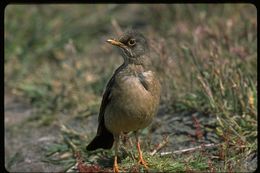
(205, 55)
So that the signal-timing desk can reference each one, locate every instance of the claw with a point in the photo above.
(115, 167)
(142, 162)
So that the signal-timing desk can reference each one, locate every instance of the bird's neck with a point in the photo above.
(143, 61)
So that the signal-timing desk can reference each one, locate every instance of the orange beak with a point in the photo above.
(117, 43)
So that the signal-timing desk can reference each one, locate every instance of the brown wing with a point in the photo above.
(107, 94)
(104, 138)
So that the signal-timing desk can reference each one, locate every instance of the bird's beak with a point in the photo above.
(117, 43)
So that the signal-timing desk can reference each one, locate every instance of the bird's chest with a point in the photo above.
(134, 88)
(134, 100)
(133, 96)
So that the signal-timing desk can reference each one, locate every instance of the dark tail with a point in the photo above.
(104, 139)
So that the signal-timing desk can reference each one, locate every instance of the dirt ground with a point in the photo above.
(26, 143)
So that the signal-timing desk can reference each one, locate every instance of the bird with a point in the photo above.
(131, 97)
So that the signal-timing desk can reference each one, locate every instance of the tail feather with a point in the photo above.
(104, 139)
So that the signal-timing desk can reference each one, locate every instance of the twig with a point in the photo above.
(71, 144)
(189, 149)
(160, 146)
(116, 27)
(73, 168)
(132, 146)
(126, 140)
(66, 130)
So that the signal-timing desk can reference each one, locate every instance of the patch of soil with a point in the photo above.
(25, 143)
(185, 130)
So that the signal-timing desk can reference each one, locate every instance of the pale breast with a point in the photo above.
(133, 103)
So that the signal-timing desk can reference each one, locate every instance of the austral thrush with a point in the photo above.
(131, 98)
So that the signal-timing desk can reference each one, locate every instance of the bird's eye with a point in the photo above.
(131, 42)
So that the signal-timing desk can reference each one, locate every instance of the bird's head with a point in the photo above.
(133, 44)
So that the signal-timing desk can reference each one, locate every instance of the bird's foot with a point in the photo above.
(142, 162)
(115, 167)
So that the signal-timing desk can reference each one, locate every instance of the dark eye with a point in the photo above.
(131, 42)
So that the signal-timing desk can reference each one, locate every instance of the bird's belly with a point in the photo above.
(132, 107)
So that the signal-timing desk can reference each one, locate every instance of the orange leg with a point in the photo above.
(115, 166)
(141, 160)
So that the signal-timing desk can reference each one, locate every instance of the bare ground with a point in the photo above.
(26, 142)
